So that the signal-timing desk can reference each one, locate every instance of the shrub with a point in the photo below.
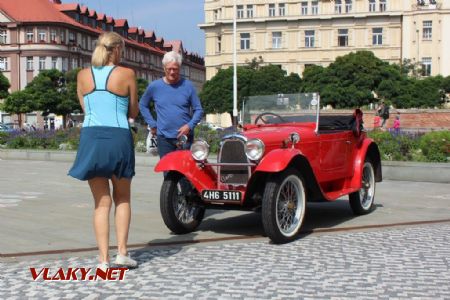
(435, 146)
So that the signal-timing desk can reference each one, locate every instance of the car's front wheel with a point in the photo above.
(361, 201)
(180, 204)
(284, 205)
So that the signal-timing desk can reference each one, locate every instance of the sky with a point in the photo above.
(170, 19)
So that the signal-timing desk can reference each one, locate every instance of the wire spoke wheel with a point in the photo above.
(284, 206)
(362, 201)
(180, 204)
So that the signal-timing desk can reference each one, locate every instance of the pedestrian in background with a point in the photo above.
(178, 108)
(383, 112)
(108, 96)
(376, 121)
(396, 125)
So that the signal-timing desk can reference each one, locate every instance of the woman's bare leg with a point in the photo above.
(102, 196)
(121, 196)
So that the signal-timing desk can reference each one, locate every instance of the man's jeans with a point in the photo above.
(166, 145)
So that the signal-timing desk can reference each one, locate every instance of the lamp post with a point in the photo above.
(235, 112)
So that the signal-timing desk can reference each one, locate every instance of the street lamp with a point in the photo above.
(235, 113)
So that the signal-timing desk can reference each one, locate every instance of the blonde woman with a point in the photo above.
(108, 96)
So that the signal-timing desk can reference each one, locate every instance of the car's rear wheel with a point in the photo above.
(361, 201)
(284, 206)
(180, 204)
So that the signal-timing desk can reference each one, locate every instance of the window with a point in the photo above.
(348, 6)
(304, 8)
(62, 37)
(271, 10)
(74, 63)
(219, 44)
(29, 63)
(382, 5)
(54, 62)
(245, 41)
(338, 7)
(249, 11)
(30, 36)
(42, 63)
(315, 7)
(42, 34)
(276, 40)
(84, 42)
(3, 64)
(377, 36)
(72, 37)
(342, 37)
(53, 36)
(240, 11)
(281, 9)
(3, 35)
(427, 30)
(426, 66)
(309, 38)
(372, 5)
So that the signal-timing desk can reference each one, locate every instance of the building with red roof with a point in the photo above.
(37, 35)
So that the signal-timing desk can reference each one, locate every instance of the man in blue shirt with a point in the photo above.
(178, 108)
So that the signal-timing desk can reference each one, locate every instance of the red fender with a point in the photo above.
(359, 163)
(277, 160)
(182, 162)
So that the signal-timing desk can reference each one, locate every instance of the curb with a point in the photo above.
(392, 170)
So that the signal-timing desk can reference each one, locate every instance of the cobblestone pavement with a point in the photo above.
(395, 263)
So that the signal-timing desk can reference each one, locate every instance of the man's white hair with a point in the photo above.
(172, 56)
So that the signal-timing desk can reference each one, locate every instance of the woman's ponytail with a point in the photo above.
(106, 44)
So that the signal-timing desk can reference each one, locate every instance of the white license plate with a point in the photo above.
(216, 195)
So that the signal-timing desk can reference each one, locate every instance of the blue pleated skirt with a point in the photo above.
(104, 152)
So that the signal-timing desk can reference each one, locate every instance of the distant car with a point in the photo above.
(289, 153)
(210, 126)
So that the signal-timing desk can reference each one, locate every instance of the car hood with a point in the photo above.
(276, 134)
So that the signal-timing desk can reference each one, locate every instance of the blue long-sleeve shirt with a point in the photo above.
(175, 105)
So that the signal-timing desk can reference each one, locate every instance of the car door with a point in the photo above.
(335, 154)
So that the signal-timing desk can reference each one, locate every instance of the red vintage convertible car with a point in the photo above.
(289, 152)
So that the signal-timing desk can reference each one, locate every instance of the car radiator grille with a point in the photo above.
(233, 151)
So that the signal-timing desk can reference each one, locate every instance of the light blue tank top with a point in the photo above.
(102, 107)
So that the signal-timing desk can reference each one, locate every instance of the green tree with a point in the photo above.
(141, 87)
(217, 93)
(4, 86)
(19, 102)
(52, 94)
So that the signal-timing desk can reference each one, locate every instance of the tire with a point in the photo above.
(284, 206)
(180, 204)
(362, 201)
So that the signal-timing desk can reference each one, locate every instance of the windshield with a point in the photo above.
(281, 108)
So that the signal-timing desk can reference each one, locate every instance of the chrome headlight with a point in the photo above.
(254, 149)
(200, 150)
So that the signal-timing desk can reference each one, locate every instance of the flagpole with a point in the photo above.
(235, 111)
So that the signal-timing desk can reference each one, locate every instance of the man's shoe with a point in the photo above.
(126, 261)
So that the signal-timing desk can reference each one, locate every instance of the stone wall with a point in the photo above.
(428, 119)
